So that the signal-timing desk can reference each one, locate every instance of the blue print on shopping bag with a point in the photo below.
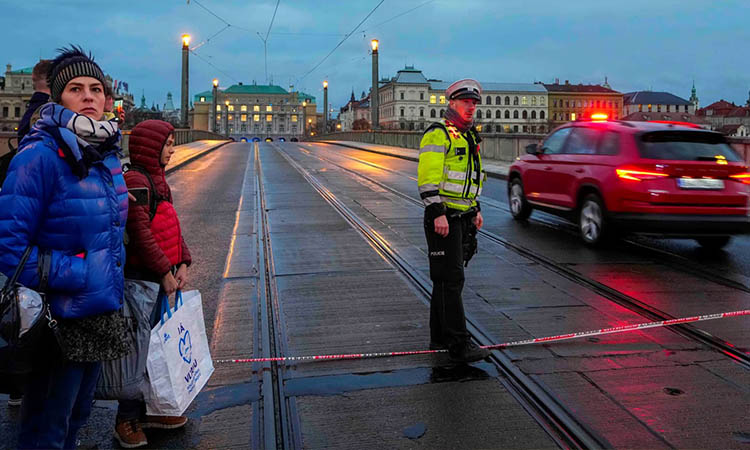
(186, 346)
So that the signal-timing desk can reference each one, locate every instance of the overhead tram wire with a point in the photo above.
(397, 16)
(342, 41)
(272, 18)
(212, 65)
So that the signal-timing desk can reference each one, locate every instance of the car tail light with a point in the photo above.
(639, 174)
(742, 177)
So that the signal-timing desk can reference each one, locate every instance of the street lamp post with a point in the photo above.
(184, 97)
(304, 118)
(325, 106)
(374, 113)
(225, 118)
(213, 104)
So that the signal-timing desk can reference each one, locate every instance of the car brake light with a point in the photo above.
(639, 175)
(742, 177)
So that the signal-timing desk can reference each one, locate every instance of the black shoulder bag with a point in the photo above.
(24, 313)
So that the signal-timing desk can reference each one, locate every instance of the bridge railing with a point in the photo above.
(495, 146)
(181, 135)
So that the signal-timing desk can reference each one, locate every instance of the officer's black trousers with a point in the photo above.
(447, 319)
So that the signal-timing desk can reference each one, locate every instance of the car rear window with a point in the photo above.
(686, 146)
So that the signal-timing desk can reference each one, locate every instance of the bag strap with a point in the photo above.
(10, 282)
(153, 197)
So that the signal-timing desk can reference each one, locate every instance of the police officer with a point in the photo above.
(450, 180)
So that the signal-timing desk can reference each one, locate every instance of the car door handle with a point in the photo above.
(579, 170)
(548, 168)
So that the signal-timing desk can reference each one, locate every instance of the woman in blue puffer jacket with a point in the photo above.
(66, 198)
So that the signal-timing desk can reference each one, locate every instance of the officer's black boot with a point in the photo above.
(467, 352)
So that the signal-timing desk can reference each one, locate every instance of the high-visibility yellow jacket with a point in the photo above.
(450, 168)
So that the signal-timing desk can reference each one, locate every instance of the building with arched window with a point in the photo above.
(256, 111)
(569, 102)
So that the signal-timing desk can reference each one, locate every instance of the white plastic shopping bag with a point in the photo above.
(179, 362)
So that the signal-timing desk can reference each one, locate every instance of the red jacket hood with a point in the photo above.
(146, 142)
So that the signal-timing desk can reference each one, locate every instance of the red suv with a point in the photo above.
(666, 179)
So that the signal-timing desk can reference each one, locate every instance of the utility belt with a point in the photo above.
(452, 213)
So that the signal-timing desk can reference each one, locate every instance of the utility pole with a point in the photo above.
(325, 106)
(185, 85)
(265, 54)
(374, 112)
(214, 102)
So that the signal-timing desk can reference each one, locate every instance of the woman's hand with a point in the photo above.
(181, 276)
(169, 284)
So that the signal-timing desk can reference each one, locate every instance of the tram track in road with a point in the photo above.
(279, 421)
(667, 258)
(736, 353)
(555, 418)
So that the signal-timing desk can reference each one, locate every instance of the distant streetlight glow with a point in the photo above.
(374, 43)
(185, 40)
(325, 83)
(216, 82)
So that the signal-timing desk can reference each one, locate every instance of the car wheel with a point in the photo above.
(591, 220)
(713, 242)
(520, 209)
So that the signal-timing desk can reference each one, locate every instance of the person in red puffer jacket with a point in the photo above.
(156, 250)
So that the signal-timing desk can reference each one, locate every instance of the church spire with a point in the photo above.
(694, 98)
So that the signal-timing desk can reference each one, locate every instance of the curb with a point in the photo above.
(497, 175)
(194, 157)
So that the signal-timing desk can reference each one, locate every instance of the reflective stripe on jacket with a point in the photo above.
(449, 172)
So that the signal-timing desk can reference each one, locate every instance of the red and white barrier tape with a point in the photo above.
(559, 337)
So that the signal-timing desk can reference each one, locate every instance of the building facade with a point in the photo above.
(648, 101)
(411, 101)
(569, 102)
(723, 113)
(355, 115)
(256, 111)
(15, 91)
(664, 116)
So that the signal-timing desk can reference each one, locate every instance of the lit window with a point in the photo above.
(256, 118)
(269, 108)
(256, 108)
(202, 99)
(573, 116)
(294, 118)
(243, 108)
(230, 117)
(243, 117)
(230, 108)
(269, 117)
(523, 100)
(442, 99)
(433, 99)
(533, 101)
(218, 117)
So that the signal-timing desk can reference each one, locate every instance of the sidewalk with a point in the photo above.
(494, 169)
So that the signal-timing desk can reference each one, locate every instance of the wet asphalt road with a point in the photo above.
(639, 390)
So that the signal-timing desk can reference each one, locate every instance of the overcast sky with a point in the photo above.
(662, 45)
